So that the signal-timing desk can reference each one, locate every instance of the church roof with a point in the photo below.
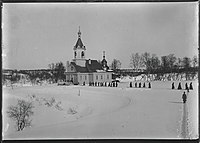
(79, 43)
(91, 66)
(79, 68)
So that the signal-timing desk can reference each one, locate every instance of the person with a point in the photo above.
(186, 86)
(191, 87)
(173, 85)
(149, 85)
(179, 86)
(140, 85)
(136, 84)
(144, 85)
(184, 97)
(130, 84)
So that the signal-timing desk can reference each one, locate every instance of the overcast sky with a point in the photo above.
(35, 35)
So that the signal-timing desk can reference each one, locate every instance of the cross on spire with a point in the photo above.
(79, 33)
(103, 54)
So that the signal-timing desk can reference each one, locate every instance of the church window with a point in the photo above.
(82, 54)
(80, 77)
(72, 68)
(74, 54)
(96, 77)
(86, 77)
(101, 76)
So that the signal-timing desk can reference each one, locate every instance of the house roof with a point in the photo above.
(91, 66)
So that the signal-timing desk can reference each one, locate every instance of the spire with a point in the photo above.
(103, 54)
(79, 42)
(79, 33)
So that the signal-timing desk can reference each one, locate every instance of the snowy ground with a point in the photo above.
(106, 112)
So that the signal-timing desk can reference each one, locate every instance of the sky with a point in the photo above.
(37, 34)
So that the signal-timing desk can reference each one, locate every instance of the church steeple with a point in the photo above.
(79, 51)
(104, 62)
(104, 55)
(79, 43)
(79, 33)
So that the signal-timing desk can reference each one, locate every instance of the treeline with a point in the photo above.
(165, 64)
(54, 73)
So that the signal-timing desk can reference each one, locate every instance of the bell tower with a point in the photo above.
(79, 51)
(104, 62)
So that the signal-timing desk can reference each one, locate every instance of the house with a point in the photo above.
(84, 71)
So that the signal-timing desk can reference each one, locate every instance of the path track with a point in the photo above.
(184, 123)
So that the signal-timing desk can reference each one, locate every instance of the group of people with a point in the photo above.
(186, 86)
(105, 84)
(140, 85)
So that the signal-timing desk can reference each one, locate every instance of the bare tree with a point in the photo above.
(194, 61)
(155, 62)
(116, 64)
(136, 61)
(172, 60)
(21, 114)
(186, 64)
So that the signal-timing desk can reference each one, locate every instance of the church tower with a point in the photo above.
(79, 51)
(104, 62)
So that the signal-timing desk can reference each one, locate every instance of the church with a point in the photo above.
(85, 71)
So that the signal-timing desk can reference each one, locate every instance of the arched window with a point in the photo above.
(82, 54)
(74, 54)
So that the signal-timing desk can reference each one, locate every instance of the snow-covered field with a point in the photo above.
(105, 112)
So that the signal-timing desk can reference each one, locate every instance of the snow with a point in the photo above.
(106, 112)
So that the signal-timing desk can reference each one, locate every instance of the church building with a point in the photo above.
(84, 71)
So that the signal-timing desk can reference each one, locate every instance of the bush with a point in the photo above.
(50, 102)
(72, 110)
(58, 106)
(21, 114)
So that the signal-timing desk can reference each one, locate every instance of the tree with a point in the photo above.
(155, 63)
(194, 61)
(172, 61)
(186, 65)
(146, 59)
(57, 71)
(136, 61)
(116, 64)
(21, 114)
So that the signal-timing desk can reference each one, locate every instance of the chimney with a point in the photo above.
(89, 61)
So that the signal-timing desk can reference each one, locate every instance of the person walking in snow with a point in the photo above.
(130, 84)
(140, 85)
(149, 85)
(173, 85)
(136, 84)
(144, 85)
(186, 86)
(179, 86)
(184, 97)
(191, 87)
